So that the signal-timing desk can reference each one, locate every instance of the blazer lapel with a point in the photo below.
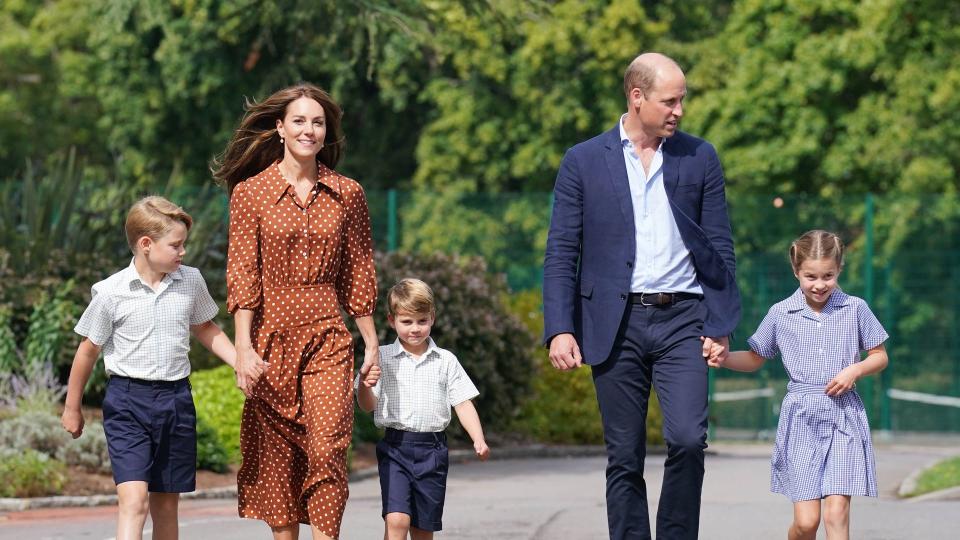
(617, 167)
(671, 168)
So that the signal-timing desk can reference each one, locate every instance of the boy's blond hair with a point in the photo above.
(153, 217)
(410, 295)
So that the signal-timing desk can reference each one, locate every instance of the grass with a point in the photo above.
(943, 475)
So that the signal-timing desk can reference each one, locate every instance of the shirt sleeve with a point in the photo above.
(357, 279)
(459, 386)
(96, 323)
(871, 331)
(764, 340)
(204, 308)
(243, 252)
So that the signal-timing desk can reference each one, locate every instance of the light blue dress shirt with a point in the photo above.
(663, 262)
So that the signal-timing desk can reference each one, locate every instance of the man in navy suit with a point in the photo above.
(638, 283)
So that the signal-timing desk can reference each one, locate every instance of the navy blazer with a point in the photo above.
(591, 245)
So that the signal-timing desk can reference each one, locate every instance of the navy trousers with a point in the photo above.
(659, 345)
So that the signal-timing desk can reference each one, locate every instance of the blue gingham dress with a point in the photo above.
(823, 444)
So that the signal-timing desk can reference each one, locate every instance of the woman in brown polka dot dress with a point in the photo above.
(300, 248)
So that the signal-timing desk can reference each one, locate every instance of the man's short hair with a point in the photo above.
(153, 217)
(642, 74)
(410, 295)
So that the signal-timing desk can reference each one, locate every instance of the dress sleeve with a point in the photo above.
(764, 340)
(357, 279)
(871, 331)
(243, 252)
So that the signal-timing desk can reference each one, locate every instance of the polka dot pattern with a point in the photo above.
(294, 264)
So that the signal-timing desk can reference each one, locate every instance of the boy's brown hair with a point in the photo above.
(153, 217)
(410, 295)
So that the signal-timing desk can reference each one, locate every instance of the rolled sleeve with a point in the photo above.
(244, 272)
(96, 323)
(357, 279)
(459, 386)
(871, 331)
(764, 340)
(204, 307)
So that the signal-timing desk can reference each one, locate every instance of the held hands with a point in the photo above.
(715, 350)
(72, 421)
(564, 352)
(370, 370)
(844, 381)
(249, 368)
(482, 450)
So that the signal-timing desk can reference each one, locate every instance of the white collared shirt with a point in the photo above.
(145, 333)
(663, 262)
(416, 394)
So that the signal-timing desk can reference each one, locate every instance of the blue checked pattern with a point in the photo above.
(145, 333)
(823, 444)
(417, 394)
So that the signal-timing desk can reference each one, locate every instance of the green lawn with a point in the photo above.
(945, 474)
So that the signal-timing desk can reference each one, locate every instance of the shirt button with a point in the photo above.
(630, 264)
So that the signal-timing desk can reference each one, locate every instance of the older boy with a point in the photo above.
(420, 383)
(141, 318)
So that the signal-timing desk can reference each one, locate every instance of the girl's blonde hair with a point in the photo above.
(816, 245)
(256, 143)
(410, 295)
(153, 217)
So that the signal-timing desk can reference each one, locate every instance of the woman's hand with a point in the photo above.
(249, 368)
(370, 369)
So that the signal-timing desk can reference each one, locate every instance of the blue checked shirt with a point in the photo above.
(145, 333)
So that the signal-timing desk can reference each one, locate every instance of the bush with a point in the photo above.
(89, 451)
(34, 430)
(30, 474)
(211, 453)
(562, 407)
(219, 407)
(472, 322)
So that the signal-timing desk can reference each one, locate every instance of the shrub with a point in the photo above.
(88, 451)
(562, 407)
(219, 406)
(34, 430)
(211, 453)
(472, 322)
(30, 474)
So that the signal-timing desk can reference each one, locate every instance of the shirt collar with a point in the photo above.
(325, 177)
(837, 299)
(398, 349)
(131, 275)
(625, 140)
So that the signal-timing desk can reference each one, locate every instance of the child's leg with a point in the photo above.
(806, 519)
(420, 534)
(163, 512)
(836, 517)
(133, 505)
(397, 524)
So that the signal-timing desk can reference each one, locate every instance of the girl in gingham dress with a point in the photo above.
(823, 450)
(300, 249)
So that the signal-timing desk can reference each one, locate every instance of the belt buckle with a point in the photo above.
(662, 299)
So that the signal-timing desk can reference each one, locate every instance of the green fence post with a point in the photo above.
(886, 376)
(867, 385)
(391, 220)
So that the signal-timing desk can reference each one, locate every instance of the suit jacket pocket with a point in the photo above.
(586, 289)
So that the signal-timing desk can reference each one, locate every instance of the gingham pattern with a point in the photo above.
(823, 444)
(416, 395)
(145, 334)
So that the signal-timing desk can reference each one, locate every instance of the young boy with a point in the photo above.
(141, 318)
(418, 383)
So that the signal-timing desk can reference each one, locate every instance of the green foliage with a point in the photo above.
(30, 474)
(472, 322)
(211, 453)
(88, 451)
(562, 407)
(34, 430)
(219, 409)
(943, 475)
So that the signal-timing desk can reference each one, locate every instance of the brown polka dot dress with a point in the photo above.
(293, 264)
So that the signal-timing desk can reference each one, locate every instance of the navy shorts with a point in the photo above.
(151, 429)
(413, 476)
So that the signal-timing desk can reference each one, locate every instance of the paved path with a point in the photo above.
(537, 499)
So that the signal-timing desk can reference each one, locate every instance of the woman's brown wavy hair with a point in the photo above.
(256, 144)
